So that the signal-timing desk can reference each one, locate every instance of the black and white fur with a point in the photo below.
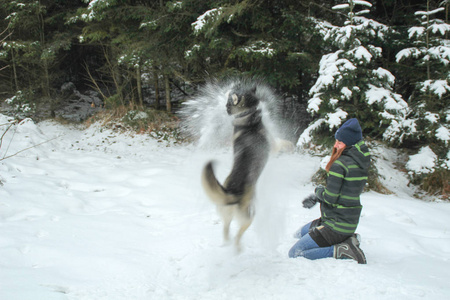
(234, 199)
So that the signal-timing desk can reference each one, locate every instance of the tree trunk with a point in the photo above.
(167, 89)
(46, 80)
(114, 72)
(446, 18)
(427, 36)
(139, 86)
(13, 59)
(155, 79)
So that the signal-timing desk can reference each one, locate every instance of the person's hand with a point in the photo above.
(319, 191)
(310, 201)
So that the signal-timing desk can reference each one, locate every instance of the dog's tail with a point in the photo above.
(215, 191)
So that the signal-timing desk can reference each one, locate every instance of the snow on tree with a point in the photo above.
(256, 39)
(208, 16)
(350, 84)
(429, 51)
(210, 37)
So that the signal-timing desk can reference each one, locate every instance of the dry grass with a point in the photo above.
(437, 183)
(156, 123)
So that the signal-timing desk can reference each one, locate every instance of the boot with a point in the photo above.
(350, 249)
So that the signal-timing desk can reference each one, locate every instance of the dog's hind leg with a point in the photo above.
(245, 219)
(226, 231)
(226, 212)
(244, 226)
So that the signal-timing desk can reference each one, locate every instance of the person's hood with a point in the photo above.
(360, 153)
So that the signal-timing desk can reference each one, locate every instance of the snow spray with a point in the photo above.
(204, 117)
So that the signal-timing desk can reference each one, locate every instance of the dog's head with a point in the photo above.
(241, 99)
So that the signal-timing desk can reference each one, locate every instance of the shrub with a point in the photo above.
(160, 125)
(21, 105)
(437, 183)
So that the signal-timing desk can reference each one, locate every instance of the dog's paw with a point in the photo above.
(226, 243)
(238, 249)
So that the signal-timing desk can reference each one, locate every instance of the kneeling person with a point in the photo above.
(333, 234)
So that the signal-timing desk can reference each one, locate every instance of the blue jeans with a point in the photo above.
(307, 247)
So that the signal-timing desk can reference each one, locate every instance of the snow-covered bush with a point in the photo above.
(21, 105)
(430, 172)
(350, 82)
(429, 121)
(423, 162)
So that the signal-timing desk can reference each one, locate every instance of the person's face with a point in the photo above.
(339, 145)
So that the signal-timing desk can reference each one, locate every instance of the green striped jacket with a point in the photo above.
(340, 201)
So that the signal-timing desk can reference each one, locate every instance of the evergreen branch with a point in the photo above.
(327, 9)
(239, 34)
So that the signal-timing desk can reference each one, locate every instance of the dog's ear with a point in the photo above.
(251, 99)
(235, 99)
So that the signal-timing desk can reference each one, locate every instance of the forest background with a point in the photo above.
(384, 62)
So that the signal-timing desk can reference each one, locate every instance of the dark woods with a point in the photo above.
(155, 53)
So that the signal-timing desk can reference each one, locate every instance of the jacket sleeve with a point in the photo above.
(335, 181)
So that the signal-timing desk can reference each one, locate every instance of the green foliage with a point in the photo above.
(127, 45)
(113, 101)
(34, 46)
(351, 83)
(278, 40)
(255, 39)
(22, 104)
(428, 54)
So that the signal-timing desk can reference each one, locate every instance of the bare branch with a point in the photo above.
(7, 129)
(34, 146)
(93, 81)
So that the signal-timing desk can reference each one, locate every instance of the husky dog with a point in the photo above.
(234, 199)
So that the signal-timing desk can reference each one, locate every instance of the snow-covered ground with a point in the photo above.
(94, 214)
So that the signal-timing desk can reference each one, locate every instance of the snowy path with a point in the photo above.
(94, 215)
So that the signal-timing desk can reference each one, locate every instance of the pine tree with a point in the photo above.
(268, 39)
(350, 82)
(34, 45)
(429, 57)
(105, 24)
(168, 34)
(140, 38)
(428, 124)
(272, 40)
